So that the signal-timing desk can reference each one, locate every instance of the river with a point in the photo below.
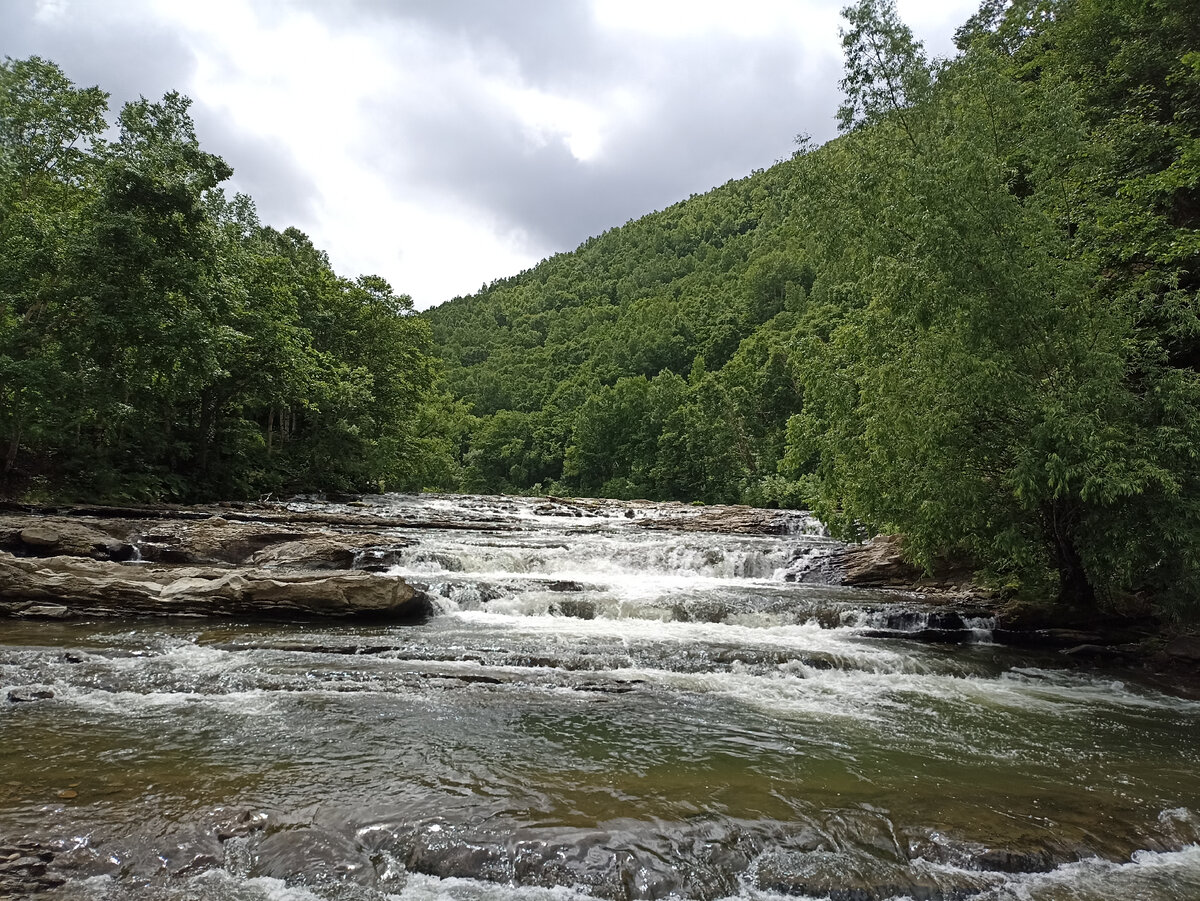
(594, 710)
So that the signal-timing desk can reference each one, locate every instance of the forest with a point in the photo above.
(158, 342)
(972, 319)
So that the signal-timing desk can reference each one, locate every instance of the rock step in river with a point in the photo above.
(593, 710)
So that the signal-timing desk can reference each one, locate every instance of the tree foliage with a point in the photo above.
(973, 318)
(157, 341)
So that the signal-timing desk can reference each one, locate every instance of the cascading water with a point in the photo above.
(595, 710)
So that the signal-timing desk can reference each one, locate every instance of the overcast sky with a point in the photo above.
(445, 143)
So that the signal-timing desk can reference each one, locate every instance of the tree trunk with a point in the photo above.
(1074, 587)
(14, 447)
(207, 410)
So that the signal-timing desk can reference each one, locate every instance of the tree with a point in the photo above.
(977, 392)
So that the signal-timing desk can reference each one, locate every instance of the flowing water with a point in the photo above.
(594, 710)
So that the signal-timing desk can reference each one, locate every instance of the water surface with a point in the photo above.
(595, 710)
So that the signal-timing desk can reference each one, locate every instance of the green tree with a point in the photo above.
(977, 392)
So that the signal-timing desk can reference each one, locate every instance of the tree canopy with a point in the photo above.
(972, 319)
(157, 341)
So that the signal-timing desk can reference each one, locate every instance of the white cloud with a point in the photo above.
(446, 144)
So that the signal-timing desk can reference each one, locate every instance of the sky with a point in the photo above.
(443, 144)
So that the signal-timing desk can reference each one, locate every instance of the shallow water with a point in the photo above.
(596, 710)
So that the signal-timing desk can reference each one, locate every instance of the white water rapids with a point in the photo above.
(597, 710)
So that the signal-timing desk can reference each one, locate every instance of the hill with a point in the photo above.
(973, 319)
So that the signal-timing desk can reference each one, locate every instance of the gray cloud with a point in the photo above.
(714, 110)
(709, 108)
(132, 56)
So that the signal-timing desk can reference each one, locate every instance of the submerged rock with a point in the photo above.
(29, 695)
(575, 608)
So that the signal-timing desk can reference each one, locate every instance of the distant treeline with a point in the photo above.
(156, 341)
(973, 318)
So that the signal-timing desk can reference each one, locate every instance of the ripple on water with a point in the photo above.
(599, 711)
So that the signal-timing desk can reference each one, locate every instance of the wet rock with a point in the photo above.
(700, 612)
(43, 536)
(1101, 652)
(197, 865)
(575, 608)
(928, 636)
(469, 678)
(878, 563)
(104, 589)
(445, 561)
(726, 520)
(26, 866)
(329, 552)
(1047, 638)
(25, 870)
(1184, 648)
(564, 585)
(1005, 860)
(47, 611)
(320, 853)
(29, 695)
(439, 854)
(243, 824)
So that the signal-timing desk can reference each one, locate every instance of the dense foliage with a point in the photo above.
(157, 341)
(974, 318)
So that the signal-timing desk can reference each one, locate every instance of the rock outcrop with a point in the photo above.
(726, 520)
(880, 563)
(70, 587)
(53, 535)
(369, 551)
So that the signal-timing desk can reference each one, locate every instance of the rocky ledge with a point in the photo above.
(199, 563)
(68, 587)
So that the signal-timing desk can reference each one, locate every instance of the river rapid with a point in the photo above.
(594, 710)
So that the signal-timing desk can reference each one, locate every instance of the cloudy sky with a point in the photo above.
(445, 143)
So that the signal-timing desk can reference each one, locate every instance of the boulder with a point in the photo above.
(113, 589)
(880, 562)
(51, 536)
(1184, 648)
(575, 608)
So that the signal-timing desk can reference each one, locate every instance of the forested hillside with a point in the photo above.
(627, 368)
(973, 318)
(157, 342)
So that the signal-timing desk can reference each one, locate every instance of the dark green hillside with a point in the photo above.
(973, 319)
(653, 361)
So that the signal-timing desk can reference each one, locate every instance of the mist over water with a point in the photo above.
(594, 710)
